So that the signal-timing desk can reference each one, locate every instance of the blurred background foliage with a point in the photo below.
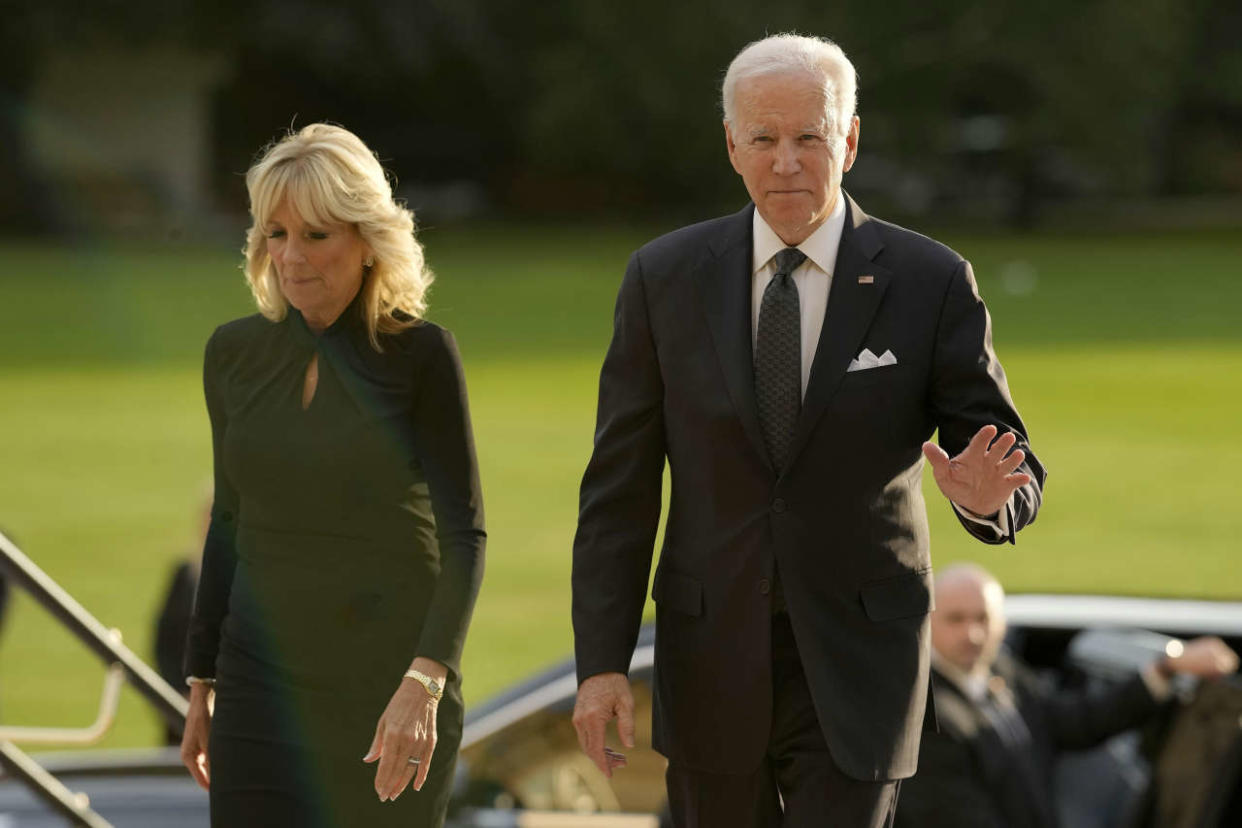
(1004, 111)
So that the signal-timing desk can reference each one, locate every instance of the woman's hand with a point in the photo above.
(406, 731)
(194, 739)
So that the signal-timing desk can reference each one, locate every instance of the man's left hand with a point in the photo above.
(982, 477)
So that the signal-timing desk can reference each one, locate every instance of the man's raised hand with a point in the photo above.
(983, 476)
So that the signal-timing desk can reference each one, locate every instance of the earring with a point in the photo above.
(370, 261)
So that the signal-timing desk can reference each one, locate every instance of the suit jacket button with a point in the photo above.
(765, 586)
(778, 505)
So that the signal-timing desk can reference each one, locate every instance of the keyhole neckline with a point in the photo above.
(310, 381)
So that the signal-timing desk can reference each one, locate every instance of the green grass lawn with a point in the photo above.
(1123, 354)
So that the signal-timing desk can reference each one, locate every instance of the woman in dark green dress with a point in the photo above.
(346, 542)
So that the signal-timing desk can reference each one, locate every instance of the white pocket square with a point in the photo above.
(867, 360)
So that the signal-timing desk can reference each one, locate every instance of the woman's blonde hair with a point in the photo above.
(328, 175)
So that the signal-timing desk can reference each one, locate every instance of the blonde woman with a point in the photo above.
(346, 542)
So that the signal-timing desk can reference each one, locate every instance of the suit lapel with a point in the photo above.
(724, 285)
(852, 302)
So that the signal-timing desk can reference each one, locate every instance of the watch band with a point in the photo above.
(433, 687)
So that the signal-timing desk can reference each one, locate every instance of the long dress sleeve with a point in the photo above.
(220, 547)
(445, 444)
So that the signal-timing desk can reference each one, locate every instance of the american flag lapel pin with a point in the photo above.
(866, 280)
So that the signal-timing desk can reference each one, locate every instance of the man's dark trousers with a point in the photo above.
(797, 784)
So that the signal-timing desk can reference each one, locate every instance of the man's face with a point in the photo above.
(783, 149)
(969, 622)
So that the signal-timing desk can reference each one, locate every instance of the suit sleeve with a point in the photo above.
(211, 602)
(1081, 719)
(445, 444)
(619, 506)
(969, 390)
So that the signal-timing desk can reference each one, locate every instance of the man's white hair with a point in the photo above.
(792, 53)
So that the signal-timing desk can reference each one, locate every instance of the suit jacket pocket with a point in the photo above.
(903, 596)
(868, 377)
(675, 591)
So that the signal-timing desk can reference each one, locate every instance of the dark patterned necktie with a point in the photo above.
(778, 358)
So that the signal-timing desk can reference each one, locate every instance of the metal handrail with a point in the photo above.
(123, 665)
(114, 679)
(74, 807)
(99, 639)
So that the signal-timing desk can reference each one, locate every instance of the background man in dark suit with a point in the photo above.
(789, 362)
(990, 765)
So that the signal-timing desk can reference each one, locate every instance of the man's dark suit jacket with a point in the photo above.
(845, 522)
(969, 777)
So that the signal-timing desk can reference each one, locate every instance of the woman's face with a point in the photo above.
(318, 266)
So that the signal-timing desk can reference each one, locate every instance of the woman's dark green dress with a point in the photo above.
(346, 538)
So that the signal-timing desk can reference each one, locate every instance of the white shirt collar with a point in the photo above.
(820, 247)
(974, 685)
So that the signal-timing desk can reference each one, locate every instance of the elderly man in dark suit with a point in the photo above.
(790, 363)
(1001, 726)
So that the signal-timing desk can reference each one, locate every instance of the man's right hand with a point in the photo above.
(601, 698)
(194, 739)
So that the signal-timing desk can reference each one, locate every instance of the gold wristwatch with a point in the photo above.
(434, 688)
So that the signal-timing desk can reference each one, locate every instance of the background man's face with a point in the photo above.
(782, 147)
(969, 622)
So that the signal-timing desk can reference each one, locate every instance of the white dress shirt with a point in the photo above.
(813, 279)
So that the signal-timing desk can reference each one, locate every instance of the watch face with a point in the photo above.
(434, 686)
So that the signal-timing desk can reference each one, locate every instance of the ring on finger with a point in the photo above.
(413, 760)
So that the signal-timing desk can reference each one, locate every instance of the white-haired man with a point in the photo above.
(990, 764)
(790, 362)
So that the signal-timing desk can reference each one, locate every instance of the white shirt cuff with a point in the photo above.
(1000, 523)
